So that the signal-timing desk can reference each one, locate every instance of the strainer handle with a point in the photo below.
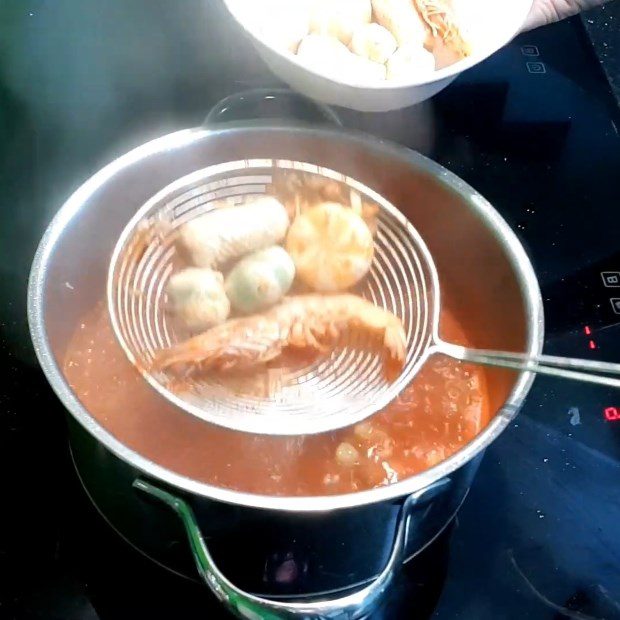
(249, 606)
(277, 104)
(589, 371)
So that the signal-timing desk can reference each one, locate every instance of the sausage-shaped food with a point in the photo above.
(197, 298)
(402, 19)
(409, 62)
(374, 42)
(260, 280)
(325, 54)
(339, 18)
(227, 233)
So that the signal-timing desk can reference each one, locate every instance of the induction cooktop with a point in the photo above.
(535, 129)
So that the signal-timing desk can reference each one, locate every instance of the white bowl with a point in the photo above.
(487, 24)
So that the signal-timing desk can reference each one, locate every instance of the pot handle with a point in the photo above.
(272, 104)
(251, 607)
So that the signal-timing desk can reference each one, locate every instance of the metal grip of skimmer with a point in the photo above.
(337, 389)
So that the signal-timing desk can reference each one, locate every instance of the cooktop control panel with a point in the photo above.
(590, 298)
(582, 314)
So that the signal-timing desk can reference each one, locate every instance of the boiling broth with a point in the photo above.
(444, 408)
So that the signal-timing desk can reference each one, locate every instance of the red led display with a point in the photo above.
(587, 330)
(612, 413)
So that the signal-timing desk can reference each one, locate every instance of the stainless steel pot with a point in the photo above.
(481, 265)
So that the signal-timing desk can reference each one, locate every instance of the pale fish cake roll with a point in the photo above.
(227, 233)
(374, 42)
(410, 62)
(260, 280)
(339, 18)
(325, 54)
(197, 298)
(402, 19)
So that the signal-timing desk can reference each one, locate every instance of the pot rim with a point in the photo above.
(517, 256)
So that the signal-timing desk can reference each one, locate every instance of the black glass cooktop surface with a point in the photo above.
(535, 129)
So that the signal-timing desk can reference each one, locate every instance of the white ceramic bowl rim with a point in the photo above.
(447, 72)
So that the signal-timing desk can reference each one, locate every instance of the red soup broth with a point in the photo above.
(443, 409)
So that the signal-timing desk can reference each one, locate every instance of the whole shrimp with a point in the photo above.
(301, 322)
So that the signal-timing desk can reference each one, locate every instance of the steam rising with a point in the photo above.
(83, 82)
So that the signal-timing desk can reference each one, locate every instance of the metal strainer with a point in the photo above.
(330, 392)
